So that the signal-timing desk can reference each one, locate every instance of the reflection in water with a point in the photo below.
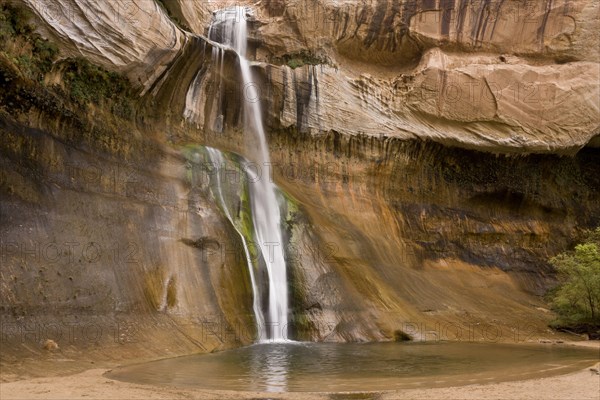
(272, 366)
(305, 367)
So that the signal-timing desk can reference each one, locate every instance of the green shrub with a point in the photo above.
(14, 21)
(7, 30)
(34, 54)
(577, 298)
(295, 63)
(88, 83)
(83, 82)
(46, 52)
(123, 108)
(296, 60)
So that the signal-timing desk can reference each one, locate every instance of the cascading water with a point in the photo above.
(218, 162)
(229, 27)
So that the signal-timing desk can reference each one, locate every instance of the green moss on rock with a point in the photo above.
(87, 83)
(297, 60)
(33, 54)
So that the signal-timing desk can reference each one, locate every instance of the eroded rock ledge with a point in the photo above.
(505, 76)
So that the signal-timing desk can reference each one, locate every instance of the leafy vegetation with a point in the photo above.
(577, 298)
(82, 82)
(88, 83)
(295, 63)
(19, 43)
(296, 60)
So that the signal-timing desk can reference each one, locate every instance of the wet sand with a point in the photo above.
(91, 384)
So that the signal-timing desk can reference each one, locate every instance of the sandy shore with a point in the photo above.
(91, 384)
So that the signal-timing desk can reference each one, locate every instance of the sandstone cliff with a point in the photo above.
(505, 76)
(438, 153)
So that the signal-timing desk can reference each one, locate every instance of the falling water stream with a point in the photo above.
(229, 28)
(218, 161)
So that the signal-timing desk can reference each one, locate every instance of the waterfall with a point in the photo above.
(229, 27)
(218, 162)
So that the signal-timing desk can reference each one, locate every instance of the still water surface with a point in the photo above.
(330, 367)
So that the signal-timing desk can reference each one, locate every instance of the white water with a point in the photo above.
(231, 24)
(216, 158)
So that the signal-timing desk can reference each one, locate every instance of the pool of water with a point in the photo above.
(332, 367)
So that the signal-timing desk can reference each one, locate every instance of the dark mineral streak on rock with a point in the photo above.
(542, 29)
(447, 8)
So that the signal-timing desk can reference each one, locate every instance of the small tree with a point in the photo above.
(577, 298)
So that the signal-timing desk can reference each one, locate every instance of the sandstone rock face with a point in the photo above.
(133, 37)
(475, 74)
(481, 75)
(431, 236)
(416, 128)
(102, 241)
(465, 101)
(194, 14)
(393, 32)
